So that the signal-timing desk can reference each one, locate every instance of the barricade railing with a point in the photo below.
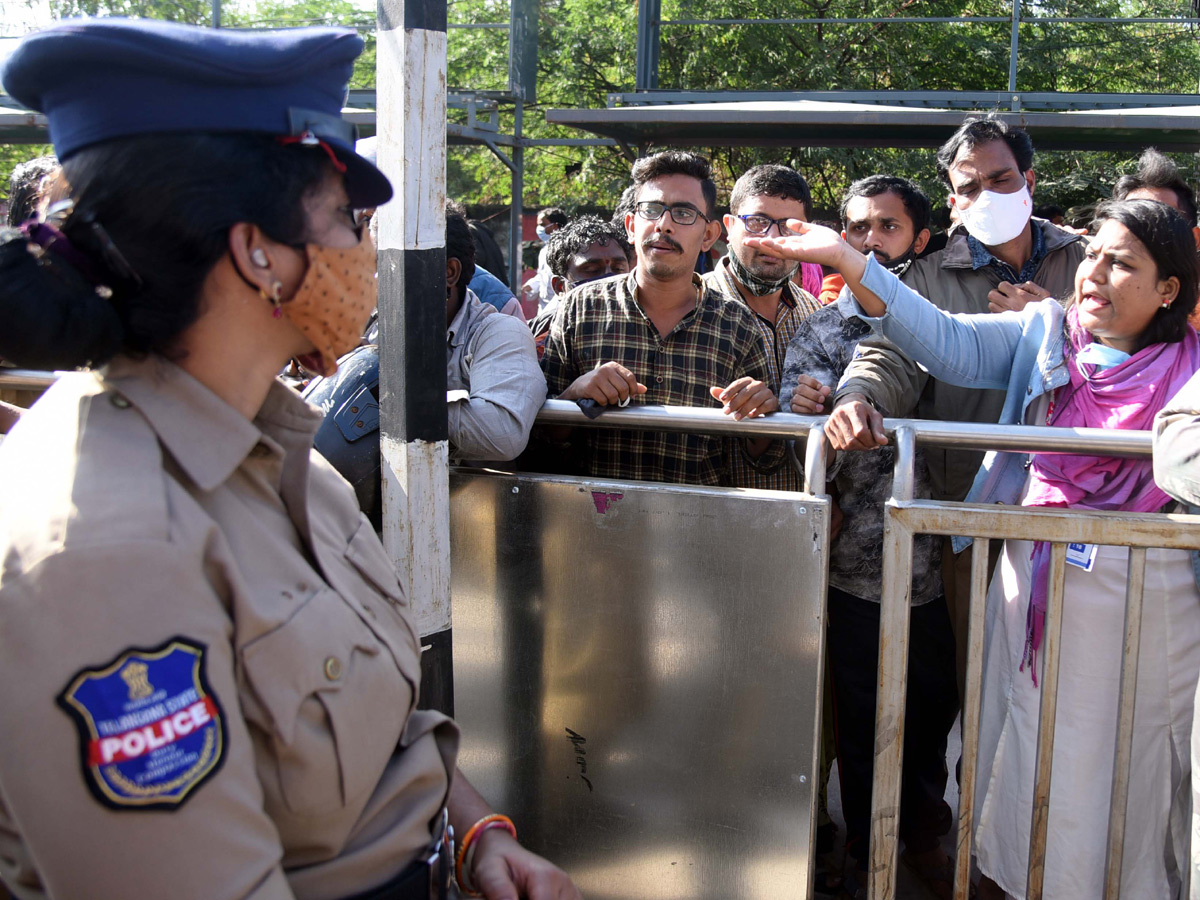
(906, 517)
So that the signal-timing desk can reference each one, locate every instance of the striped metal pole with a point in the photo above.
(411, 146)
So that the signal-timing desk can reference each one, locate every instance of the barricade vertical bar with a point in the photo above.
(970, 718)
(1134, 590)
(892, 681)
(815, 461)
(1045, 749)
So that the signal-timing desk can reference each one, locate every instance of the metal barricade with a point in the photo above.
(906, 517)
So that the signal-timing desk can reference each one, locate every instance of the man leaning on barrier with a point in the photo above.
(997, 258)
(658, 336)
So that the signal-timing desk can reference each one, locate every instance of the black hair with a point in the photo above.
(28, 184)
(1167, 237)
(578, 236)
(1157, 171)
(554, 215)
(678, 162)
(771, 181)
(975, 132)
(152, 216)
(915, 202)
(460, 244)
(1049, 212)
(625, 205)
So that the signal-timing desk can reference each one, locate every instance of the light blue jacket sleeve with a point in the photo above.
(967, 350)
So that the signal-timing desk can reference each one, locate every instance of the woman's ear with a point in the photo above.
(1168, 290)
(251, 253)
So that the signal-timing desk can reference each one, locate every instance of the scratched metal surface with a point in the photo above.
(636, 673)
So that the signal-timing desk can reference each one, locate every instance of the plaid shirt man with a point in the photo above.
(795, 305)
(712, 346)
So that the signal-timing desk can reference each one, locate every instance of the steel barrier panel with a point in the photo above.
(637, 674)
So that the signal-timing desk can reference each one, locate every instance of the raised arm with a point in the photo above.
(970, 351)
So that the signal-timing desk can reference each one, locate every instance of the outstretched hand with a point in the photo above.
(807, 243)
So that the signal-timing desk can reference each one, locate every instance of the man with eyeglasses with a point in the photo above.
(659, 336)
(761, 202)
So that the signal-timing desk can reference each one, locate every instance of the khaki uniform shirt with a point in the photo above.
(208, 671)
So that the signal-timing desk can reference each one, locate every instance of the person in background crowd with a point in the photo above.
(658, 336)
(887, 216)
(876, 213)
(764, 198)
(494, 385)
(213, 664)
(1157, 178)
(486, 286)
(1052, 213)
(487, 251)
(586, 250)
(1112, 357)
(998, 258)
(29, 189)
(540, 288)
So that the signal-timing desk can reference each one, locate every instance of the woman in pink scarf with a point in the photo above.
(1111, 359)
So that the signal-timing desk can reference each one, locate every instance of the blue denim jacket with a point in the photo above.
(1020, 352)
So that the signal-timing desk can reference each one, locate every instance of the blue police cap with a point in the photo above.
(98, 79)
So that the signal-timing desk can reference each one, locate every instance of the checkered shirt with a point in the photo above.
(795, 305)
(713, 345)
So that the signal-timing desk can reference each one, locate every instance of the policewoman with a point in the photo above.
(208, 671)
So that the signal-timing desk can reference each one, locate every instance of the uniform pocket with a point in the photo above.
(331, 702)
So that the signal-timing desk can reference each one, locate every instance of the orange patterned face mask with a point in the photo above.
(334, 301)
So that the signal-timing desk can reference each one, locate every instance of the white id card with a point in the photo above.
(1082, 555)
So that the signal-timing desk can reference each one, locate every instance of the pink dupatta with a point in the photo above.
(1126, 396)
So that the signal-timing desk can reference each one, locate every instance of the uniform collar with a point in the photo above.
(206, 436)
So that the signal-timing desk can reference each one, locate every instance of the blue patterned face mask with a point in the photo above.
(1100, 355)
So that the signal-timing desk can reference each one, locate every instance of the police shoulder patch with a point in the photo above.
(150, 729)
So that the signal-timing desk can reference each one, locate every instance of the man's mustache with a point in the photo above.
(662, 239)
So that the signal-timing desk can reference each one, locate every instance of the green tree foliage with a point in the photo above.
(588, 50)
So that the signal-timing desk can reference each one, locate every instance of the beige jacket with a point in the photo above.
(208, 671)
(897, 386)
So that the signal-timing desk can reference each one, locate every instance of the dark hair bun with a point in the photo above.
(50, 316)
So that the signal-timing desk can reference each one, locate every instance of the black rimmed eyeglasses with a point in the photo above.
(757, 224)
(681, 214)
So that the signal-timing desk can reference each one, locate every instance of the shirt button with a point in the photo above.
(658, 378)
(333, 668)
(119, 402)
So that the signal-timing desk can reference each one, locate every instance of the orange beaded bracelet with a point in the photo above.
(495, 820)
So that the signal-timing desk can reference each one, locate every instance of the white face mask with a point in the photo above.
(542, 234)
(995, 218)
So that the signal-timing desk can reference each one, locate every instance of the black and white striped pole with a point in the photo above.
(411, 150)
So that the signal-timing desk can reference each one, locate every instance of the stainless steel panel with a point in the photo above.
(637, 674)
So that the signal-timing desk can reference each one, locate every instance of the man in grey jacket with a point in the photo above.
(997, 259)
(493, 383)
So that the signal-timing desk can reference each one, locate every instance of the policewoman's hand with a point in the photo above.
(504, 870)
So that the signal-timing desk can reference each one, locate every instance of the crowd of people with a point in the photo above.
(210, 495)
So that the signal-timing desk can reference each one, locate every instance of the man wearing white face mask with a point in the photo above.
(998, 257)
